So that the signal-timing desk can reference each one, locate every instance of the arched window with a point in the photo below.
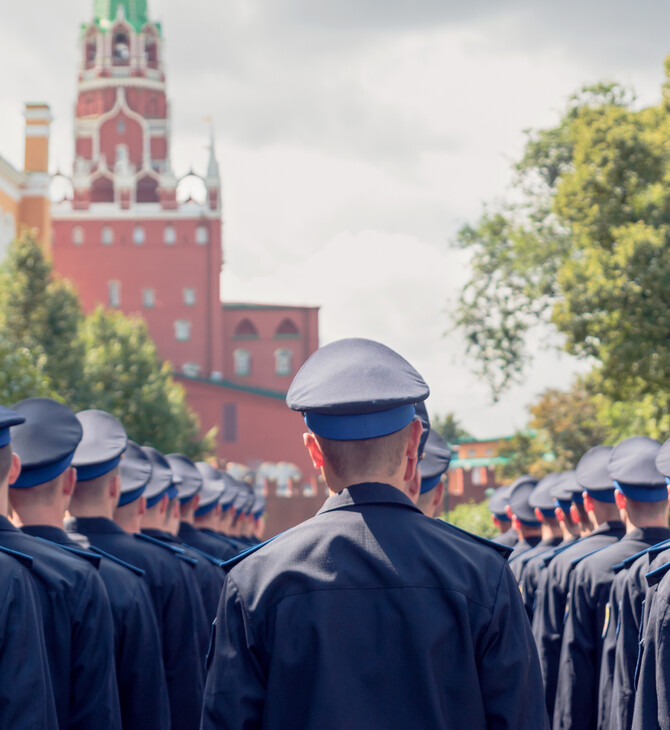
(121, 48)
(107, 236)
(169, 235)
(90, 53)
(287, 328)
(138, 235)
(102, 190)
(78, 235)
(283, 362)
(242, 360)
(246, 330)
(151, 52)
(148, 298)
(202, 235)
(147, 190)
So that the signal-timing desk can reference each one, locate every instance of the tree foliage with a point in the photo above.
(563, 426)
(584, 247)
(106, 360)
(41, 314)
(472, 517)
(128, 379)
(449, 428)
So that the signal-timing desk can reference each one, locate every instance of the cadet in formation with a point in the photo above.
(381, 616)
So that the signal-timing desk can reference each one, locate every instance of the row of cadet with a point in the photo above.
(112, 567)
(592, 560)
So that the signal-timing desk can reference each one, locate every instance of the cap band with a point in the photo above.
(42, 474)
(202, 511)
(529, 523)
(602, 495)
(362, 425)
(86, 473)
(5, 437)
(578, 498)
(170, 492)
(430, 483)
(563, 504)
(548, 513)
(501, 517)
(128, 497)
(642, 494)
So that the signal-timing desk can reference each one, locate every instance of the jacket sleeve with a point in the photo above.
(509, 671)
(95, 698)
(235, 687)
(26, 695)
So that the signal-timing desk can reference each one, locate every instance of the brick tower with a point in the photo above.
(123, 237)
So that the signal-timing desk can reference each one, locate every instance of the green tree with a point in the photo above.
(449, 428)
(21, 375)
(41, 314)
(472, 517)
(128, 379)
(563, 426)
(585, 248)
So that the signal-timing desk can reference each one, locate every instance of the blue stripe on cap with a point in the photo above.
(171, 492)
(577, 498)
(642, 494)
(43, 474)
(430, 483)
(201, 511)
(362, 425)
(602, 495)
(548, 513)
(128, 497)
(530, 523)
(501, 517)
(5, 437)
(86, 473)
(563, 504)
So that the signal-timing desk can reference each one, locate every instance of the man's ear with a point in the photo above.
(588, 503)
(195, 502)
(412, 451)
(15, 468)
(538, 514)
(69, 481)
(620, 499)
(141, 506)
(115, 487)
(314, 449)
(560, 514)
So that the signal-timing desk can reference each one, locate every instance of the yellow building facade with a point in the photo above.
(24, 194)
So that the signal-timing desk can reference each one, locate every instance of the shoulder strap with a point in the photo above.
(655, 576)
(504, 550)
(206, 556)
(21, 557)
(118, 561)
(90, 557)
(579, 559)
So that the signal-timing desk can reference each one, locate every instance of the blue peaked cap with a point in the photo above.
(592, 474)
(435, 461)
(101, 447)
(212, 487)
(45, 442)
(135, 474)
(162, 480)
(632, 467)
(8, 418)
(191, 479)
(356, 389)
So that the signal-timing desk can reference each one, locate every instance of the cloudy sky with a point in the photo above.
(355, 137)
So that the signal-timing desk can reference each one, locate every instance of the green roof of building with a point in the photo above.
(222, 383)
(135, 11)
(475, 462)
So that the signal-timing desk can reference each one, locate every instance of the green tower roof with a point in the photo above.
(135, 12)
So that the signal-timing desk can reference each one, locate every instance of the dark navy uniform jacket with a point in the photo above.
(207, 571)
(78, 631)
(372, 615)
(519, 562)
(509, 538)
(26, 694)
(523, 546)
(533, 568)
(585, 628)
(139, 673)
(551, 599)
(652, 696)
(178, 610)
(616, 695)
(209, 542)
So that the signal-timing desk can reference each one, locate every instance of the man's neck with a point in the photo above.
(92, 510)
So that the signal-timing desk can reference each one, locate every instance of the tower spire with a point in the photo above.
(212, 165)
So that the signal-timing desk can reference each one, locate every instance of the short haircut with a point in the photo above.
(642, 512)
(93, 491)
(370, 458)
(5, 462)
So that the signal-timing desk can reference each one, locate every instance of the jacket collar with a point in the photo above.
(368, 493)
(90, 525)
(48, 532)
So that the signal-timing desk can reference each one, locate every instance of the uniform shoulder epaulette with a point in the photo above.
(118, 561)
(656, 550)
(558, 550)
(655, 576)
(159, 543)
(90, 557)
(206, 556)
(229, 564)
(579, 558)
(21, 557)
(504, 550)
(187, 558)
